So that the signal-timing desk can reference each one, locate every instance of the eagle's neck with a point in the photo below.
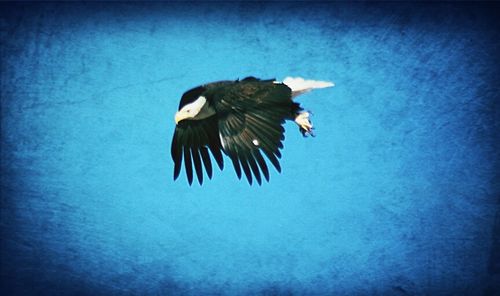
(205, 109)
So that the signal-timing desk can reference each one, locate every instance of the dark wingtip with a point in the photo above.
(206, 161)
(262, 164)
(219, 159)
(236, 166)
(254, 168)
(278, 168)
(246, 170)
(277, 153)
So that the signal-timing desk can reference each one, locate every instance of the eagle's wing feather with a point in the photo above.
(250, 122)
(192, 140)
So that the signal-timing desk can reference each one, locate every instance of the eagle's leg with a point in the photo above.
(305, 125)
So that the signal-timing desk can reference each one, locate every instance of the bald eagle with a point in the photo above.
(242, 118)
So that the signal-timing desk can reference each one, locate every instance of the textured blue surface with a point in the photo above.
(397, 194)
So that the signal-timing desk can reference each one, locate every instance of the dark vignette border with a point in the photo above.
(18, 267)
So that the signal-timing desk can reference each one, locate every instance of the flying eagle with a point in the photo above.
(242, 118)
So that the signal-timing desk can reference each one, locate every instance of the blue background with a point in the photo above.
(397, 194)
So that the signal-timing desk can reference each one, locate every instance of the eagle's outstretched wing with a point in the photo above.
(192, 140)
(251, 115)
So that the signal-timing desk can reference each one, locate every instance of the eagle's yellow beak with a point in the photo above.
(178, 117)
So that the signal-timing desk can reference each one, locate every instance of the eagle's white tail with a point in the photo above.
(300, 85)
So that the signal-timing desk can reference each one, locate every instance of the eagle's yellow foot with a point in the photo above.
(305, 125)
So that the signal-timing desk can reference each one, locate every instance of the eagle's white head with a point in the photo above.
(191, 110)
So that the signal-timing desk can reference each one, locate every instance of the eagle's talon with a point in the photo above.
(305, 125)
(307, 131)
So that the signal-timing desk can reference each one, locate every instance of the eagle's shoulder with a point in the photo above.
(255, 79)
(191, 95)
(248, 91)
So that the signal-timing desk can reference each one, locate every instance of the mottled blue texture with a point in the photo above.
(397, 194)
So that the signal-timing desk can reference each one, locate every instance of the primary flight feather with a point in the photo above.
(242, 118)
